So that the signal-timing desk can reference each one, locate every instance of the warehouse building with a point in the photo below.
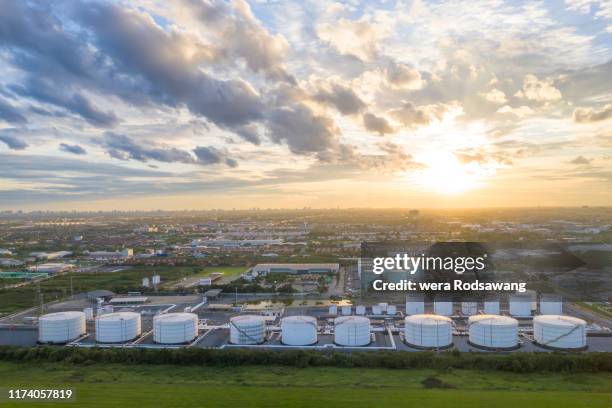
(294, 269)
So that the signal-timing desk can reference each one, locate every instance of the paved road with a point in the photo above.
(573, 309)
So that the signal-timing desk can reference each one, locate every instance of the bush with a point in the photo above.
(514, 362)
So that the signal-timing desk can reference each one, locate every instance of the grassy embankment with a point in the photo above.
(104, 385)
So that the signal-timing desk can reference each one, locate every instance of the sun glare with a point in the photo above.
(444, 174)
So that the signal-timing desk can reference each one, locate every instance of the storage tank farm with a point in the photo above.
(247, 329)
(428, 331)
(61, 327)
(491, 305)
(333, 310)
(520, 305)
(415, 304)
(118, 327)
(443, 305)
(175, 328)
(299, 330)
(352, 331)
(493, 332)
(469, 307)
(551, 305)
(559, 332)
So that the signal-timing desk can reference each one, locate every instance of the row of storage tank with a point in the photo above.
(426, 331)
(423, 331)
(519, 305)
(119, 327)
(379, 309)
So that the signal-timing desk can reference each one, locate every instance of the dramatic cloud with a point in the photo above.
(359, 39)
(123, 147)
(240, 35)
(74, 149)
(587, 115)
(9, 114)
(194, 86)
(413, 116)
(538, 90)
(302, 130)
(581, 160)
(377, 124)
(495, 96)
(402, 76)
(13, 143)
(342, 98)
(211, 155)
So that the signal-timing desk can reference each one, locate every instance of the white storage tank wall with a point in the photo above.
(333, 309)
(415, 304)
(428, 331)
(391, 310)
(61, 327)
(175, 328)
(360, 310)
(353, 331)
(118, 327)
(469, 308)
(491, 306)
(383, 306)
(247, 329)
(562, 332)
(443, 306)
(377, 310)
(346, 310)
(299, 330)
(89, 313)
(520, 305)
(493, 331)
(551, 305)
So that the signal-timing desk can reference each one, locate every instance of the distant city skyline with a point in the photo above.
(146, 105)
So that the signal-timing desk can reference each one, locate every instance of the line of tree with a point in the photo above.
(512, 362)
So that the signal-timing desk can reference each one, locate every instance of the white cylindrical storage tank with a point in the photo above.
(333, 309)
(383, 306)
(346, 310)
(377, 310)
(392, 310)
(360, 310)
(560, 332)
(469, 307)
(443, 306)
(89, 313)
(117, 327)
(247, 329)
(491, 305)
(551, 305)
(299, 330)
(175, 328)
(428, 331)
(415, 304)
(61, 327)
(493, 331)
(353, 331)
(520, 305)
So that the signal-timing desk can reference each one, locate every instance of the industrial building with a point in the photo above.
(294, 269)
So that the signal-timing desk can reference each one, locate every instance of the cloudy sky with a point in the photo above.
(237, 104)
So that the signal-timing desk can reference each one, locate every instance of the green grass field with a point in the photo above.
(102, 385)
